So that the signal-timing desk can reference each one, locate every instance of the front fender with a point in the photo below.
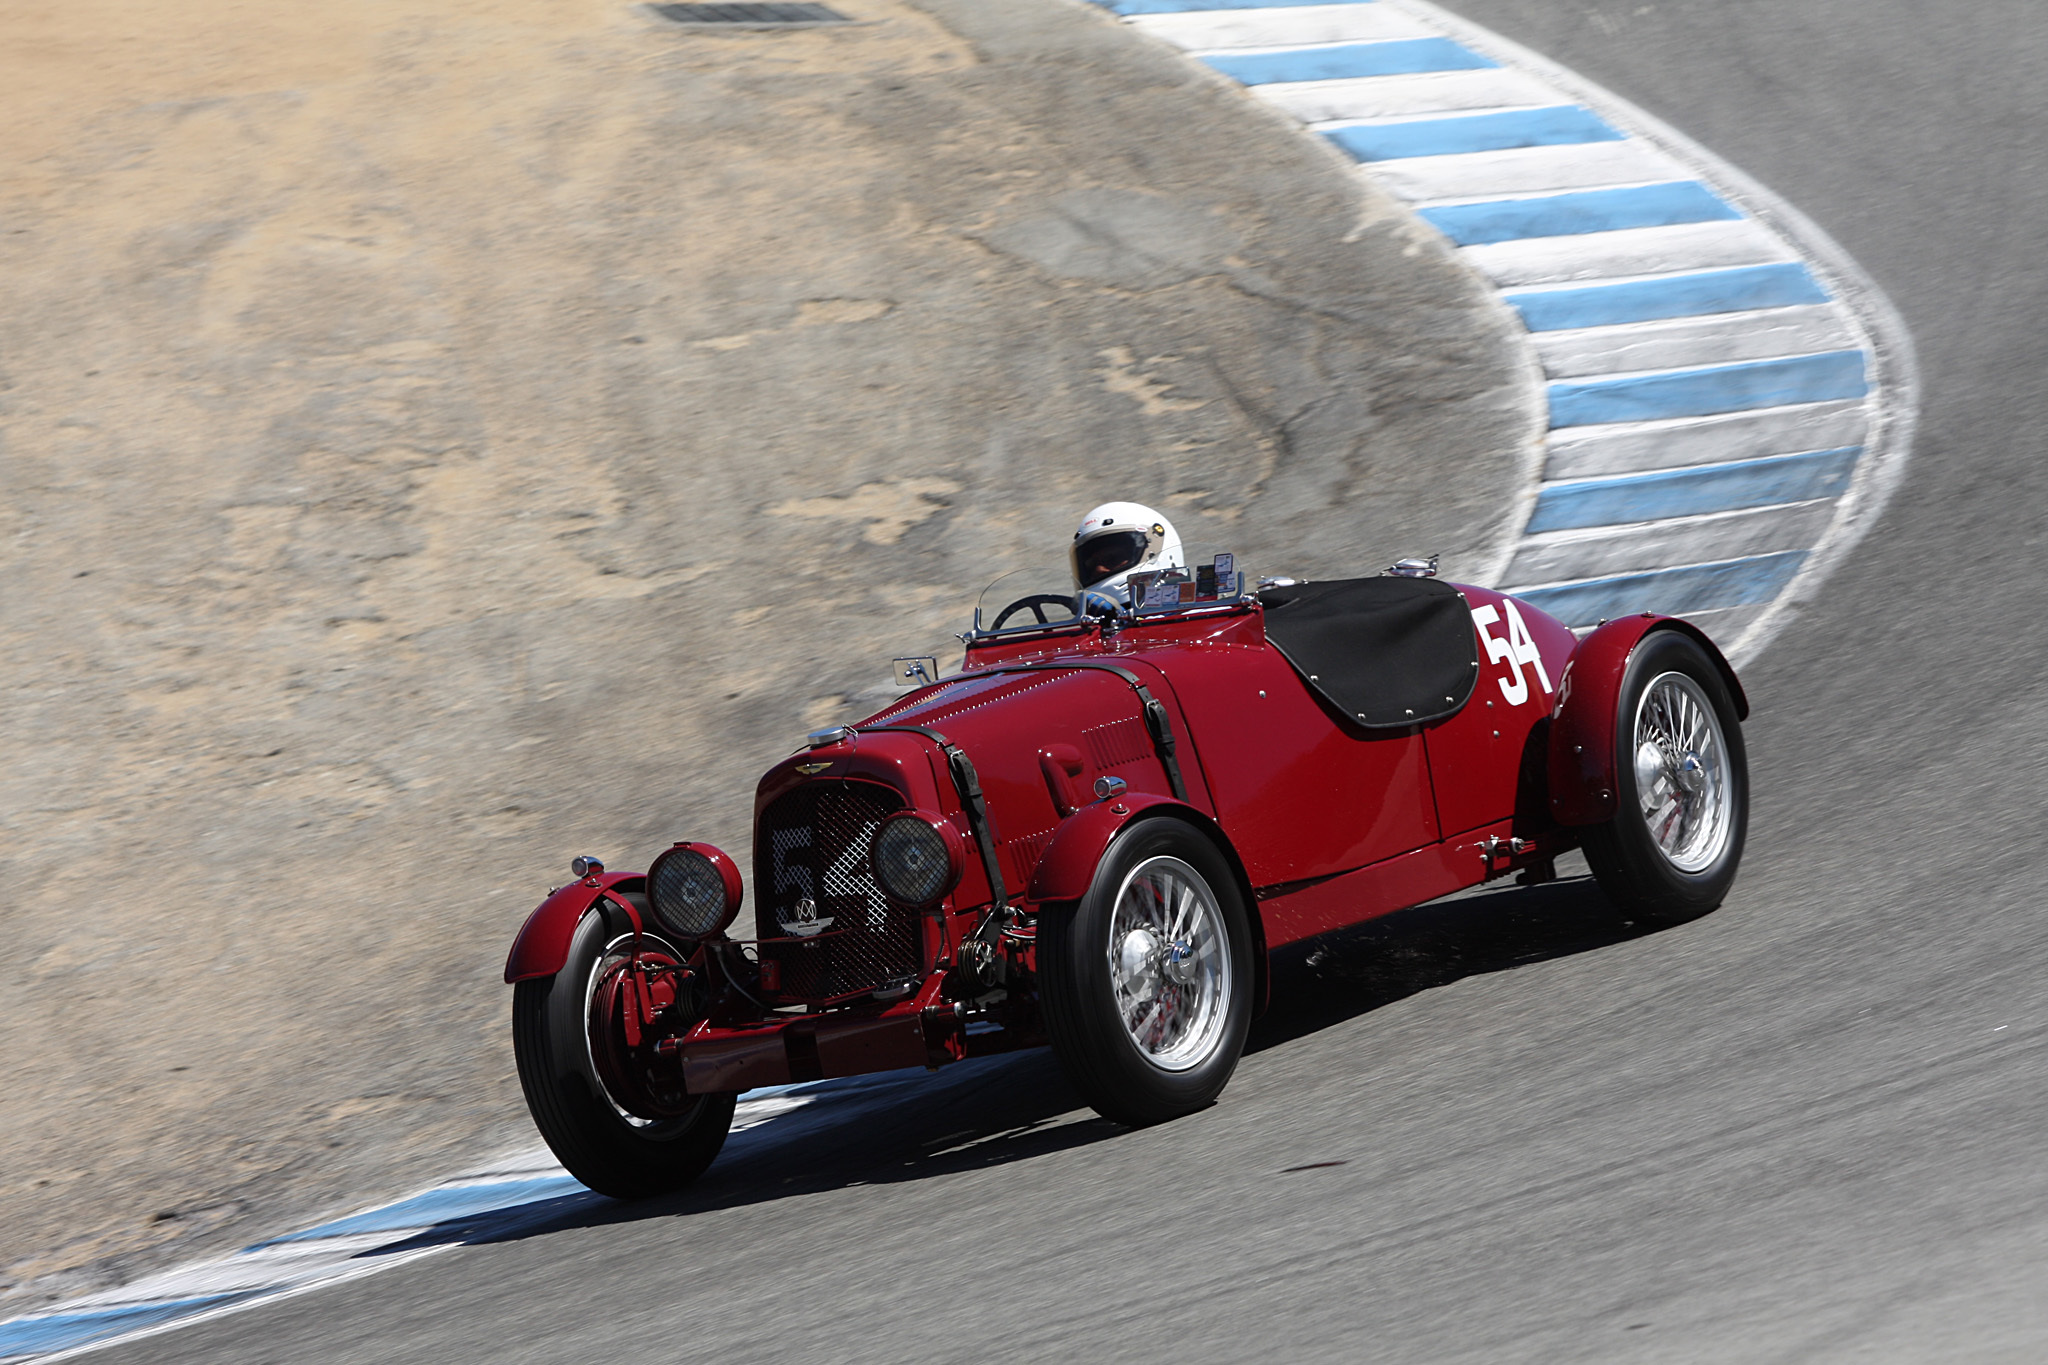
(1068, 864)
(543, 943)
(1581, 758)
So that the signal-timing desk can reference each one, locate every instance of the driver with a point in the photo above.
(1117, 540)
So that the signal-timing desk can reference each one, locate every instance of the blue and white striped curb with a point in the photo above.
(521, 1192)
(1729, 400)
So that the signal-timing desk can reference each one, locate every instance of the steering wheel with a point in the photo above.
(1036, 604)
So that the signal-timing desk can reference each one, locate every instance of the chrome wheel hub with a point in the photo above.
(1138, 959)
(1681, 771)
(1169, 963)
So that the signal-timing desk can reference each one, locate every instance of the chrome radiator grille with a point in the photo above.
(826, 930)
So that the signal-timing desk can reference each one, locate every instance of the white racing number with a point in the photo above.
(1518, 649)
(850, 869)
(791, 875)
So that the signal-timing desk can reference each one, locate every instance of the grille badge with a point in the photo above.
(805, 920)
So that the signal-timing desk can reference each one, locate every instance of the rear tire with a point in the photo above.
(593, 1134)
(1681, 777)
(1146, 982)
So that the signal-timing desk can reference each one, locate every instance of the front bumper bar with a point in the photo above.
(916, 1032)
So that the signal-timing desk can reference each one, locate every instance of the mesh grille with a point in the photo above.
(813, 846)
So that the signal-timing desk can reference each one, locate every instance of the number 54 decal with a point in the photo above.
(1516, 650)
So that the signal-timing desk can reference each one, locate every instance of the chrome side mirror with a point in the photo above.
(918, 671)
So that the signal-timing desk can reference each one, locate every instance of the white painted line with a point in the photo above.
(1806, 356)
(1562, 556)
(1729, 625)
(1676, 343)
(1495, 195)
(347, 1269)
(1297, 26)
(1632, 447)
(1632, 251)
(1525, 170)
(1427, 92)
(758, 1112)
(519, 1190)
(454, 1213)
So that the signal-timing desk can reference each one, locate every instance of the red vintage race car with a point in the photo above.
(1095, 834)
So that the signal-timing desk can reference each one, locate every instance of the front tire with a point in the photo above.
(1670, 852)
(1146, 983)
(561, 1027)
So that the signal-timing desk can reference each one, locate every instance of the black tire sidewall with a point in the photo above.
(1630, 866)
(569, 1106)
(1089, 1038)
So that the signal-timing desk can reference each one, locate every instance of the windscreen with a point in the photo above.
(1045, 598)
(1027, 599)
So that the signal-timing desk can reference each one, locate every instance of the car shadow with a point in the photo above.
(993, 1111)
(1495, 928)
(876, 1130)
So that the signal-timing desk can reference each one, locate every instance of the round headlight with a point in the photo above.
(917, 857)
(695, 890)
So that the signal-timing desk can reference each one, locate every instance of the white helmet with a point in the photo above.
(1119, 539)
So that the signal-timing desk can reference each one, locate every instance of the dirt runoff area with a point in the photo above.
(439, 440)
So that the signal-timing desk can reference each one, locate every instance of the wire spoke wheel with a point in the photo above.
(1681, 768)
(1670, 850)
(1146, 981)
(1169, 963)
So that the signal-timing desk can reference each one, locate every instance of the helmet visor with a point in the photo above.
(1109, 553)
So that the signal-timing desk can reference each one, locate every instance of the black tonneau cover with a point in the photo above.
(1384, 651)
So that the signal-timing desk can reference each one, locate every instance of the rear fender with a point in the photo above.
(543, 943)
(1581, 759)
(1068, 865)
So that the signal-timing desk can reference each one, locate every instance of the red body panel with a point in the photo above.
(1399, 882)
(1485, 759)
(1581, 747)
(905, 762)
(1299, 794)
(543, 942)
(1090, 723)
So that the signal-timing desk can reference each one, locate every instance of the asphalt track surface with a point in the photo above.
(1804, 1128)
